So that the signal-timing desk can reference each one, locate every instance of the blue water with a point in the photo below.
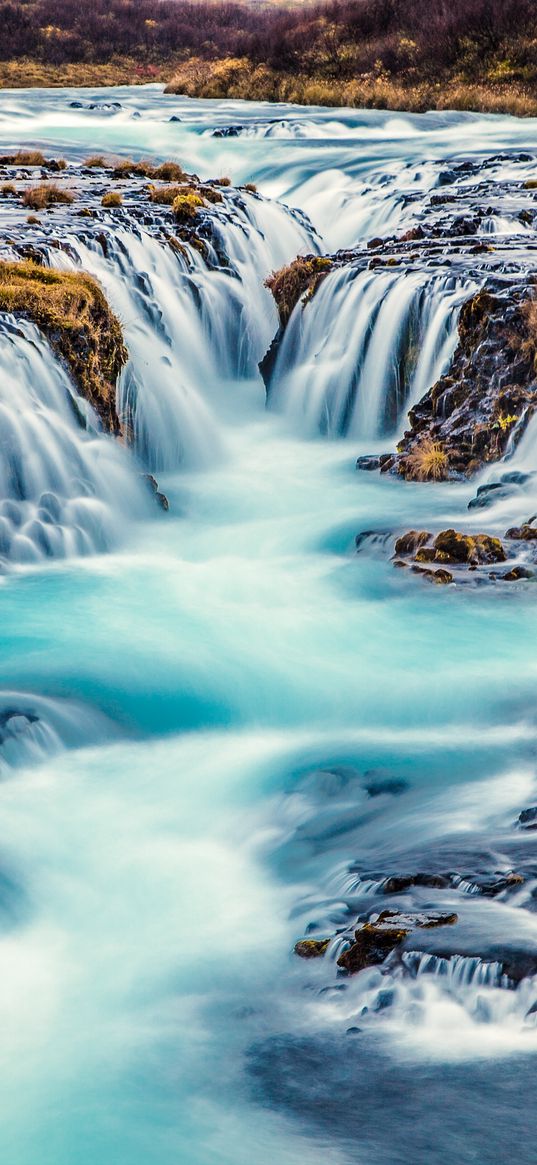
(165, 850)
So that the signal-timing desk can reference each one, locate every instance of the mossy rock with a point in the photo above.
(311, 948)
(375, 940)
(474, 549)
(71, 310)
(299, 280)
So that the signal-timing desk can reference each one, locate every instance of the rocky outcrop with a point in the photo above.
(376, 939)
(72, 312)
(486, 398)
(452, 556)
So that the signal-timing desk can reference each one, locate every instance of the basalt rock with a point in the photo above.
(488, 394)
(311, 948)
(376, 939)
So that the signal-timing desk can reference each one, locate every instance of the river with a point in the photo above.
(196, 702)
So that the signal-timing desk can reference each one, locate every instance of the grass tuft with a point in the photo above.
(46, 194)
(427, 461)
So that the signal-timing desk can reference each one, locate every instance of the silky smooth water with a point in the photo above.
(164, 836)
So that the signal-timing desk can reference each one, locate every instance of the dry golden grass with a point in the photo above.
(24, 158)
(427, 461)
(169, 172)
(96, 162)
(236, 77)
(24, 73)
(113, 198)
(291, 283)
(46, 194)
(166, 195)
(8, 189)
(71, 310)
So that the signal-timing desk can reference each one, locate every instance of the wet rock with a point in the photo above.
(376, 939)
(518, 574)
(495, 491)
(500, 885)
(368, 461)
(528, 818)
(410, 542)
(525, 533)
(310, 948)
(489, 393)
(440, 577)
(398, 884)
(228, 131)
(452, 547)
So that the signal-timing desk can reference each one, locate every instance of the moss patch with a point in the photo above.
(72, 312)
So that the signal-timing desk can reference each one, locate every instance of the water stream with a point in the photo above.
(196, 704)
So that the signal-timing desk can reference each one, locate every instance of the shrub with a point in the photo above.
(130, 169)
(45, 195)
(113, 198)
(166, 195)
(169, 172)
(95, 162)
(8, 189)
(186, 206)
(24, 158)
(427, 461)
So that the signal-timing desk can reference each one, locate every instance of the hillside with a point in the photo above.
(467, 54)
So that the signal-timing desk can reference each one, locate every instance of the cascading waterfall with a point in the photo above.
(192, 331)
(367, 345)
(297, 738)
(65, 489)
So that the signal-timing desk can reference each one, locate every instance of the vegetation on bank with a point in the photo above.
(72, 312)
(299, 280)
(468, 54)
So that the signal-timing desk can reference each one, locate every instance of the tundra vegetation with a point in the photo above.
(468, 54)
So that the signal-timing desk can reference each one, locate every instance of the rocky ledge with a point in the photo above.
(470, 227)
(486, 398)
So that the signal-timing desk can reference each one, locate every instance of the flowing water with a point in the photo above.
(198, 706)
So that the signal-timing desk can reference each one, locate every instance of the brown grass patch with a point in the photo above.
(113, 198)
(427, 461)
(46, 194)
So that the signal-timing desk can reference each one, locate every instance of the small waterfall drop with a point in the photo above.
(365, 348)
(191, 328)
(65, 489)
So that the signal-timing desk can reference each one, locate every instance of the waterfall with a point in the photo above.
(192, 329)
(365, 348)
(65, 489)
